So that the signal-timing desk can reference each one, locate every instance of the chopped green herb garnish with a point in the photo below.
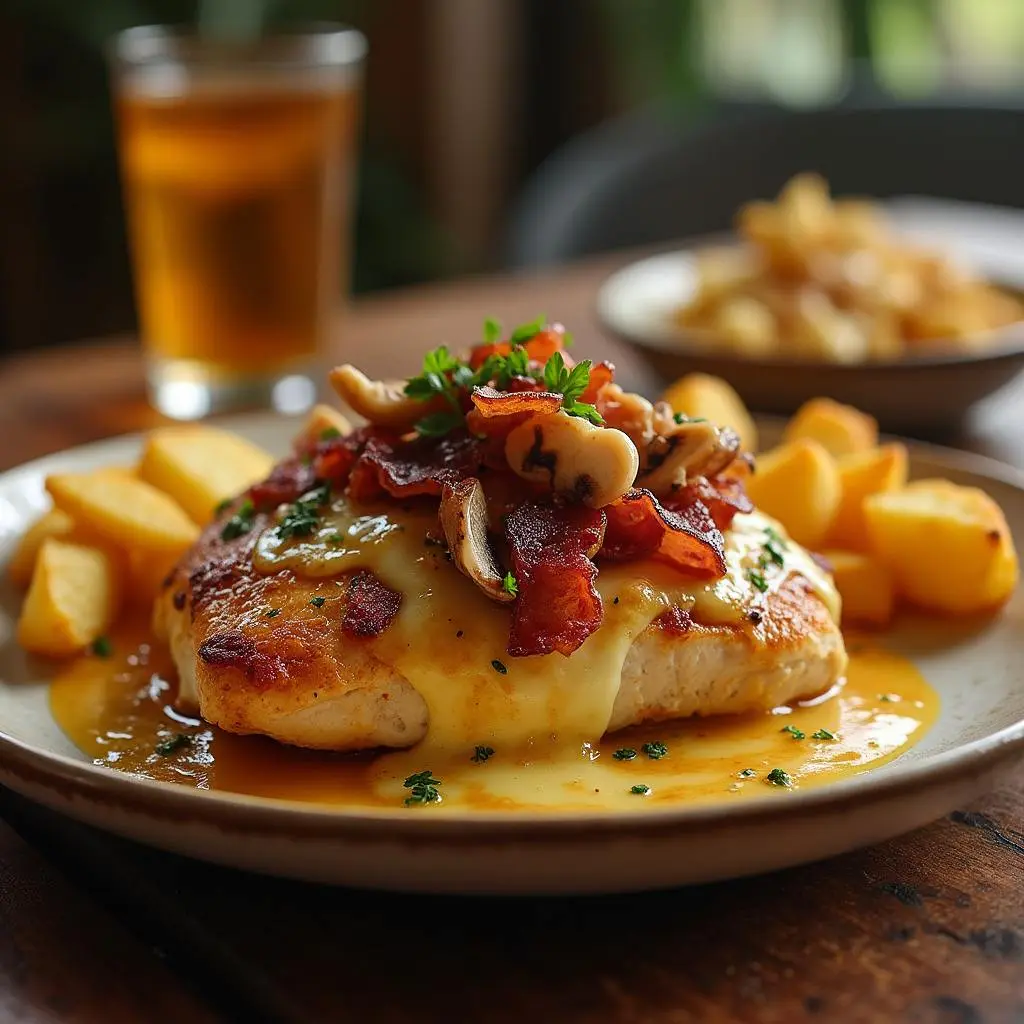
(102, 647)
(499, 666)
(624, 754)
(774, 537)
(655, 751)
(222, 506)
(640, 790)
(772, 553)
(492, 330)
(571, 384)
(171, 744)
(424, 788)
(779, 777)
(888, 698)
(303, 517)
(317, 602)
(797, 734)
(524, 332)
(681, 417)
(509, 585)
(746, 773)
(757, 578)
(329, 433)
(481, 754)
(273, 613)
(241, 522)
(823, 734)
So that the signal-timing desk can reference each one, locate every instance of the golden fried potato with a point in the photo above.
(123, 510)
(861, 474)
(74, 597)
(840, 429)
(715, 400)
(322, 422)
(50, 524)
(865, 586)
(200, 466)
(798, 484)
(948, 546)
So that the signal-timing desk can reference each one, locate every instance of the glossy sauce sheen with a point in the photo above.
(119, 710)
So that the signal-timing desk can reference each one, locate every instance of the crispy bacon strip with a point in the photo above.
(370, 606)
(421, 466)
(686, 536)
(490, 402)
(287, 481)
(558, 606)
(723, 496)
(333, 459)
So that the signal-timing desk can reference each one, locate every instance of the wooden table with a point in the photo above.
(929, 927)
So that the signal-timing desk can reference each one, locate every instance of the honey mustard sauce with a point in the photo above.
(119, 710)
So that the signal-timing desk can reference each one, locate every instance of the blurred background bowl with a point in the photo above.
(929, 393)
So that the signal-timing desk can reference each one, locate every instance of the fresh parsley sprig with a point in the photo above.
(571, 384)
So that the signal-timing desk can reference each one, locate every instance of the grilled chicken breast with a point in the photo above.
(275, 652)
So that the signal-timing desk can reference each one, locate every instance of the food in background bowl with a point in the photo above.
(823, 279)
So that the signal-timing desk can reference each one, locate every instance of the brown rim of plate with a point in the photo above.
(233, 812)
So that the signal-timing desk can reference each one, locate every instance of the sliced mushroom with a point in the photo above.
(595, 465)
(382, 404)
(629, 412)
(464, 521)
(690, 448)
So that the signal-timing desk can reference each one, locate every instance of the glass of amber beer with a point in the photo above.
(237, 161)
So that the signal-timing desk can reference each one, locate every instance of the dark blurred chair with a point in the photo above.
(653, 176)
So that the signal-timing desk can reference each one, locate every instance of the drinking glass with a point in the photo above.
(237, 161)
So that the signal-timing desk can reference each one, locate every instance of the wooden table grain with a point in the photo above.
(928, 927)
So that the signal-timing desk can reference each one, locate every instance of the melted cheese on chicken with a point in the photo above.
(449, 641)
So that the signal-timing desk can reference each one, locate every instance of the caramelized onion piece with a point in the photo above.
(463, 517)
(685, 536)
(586, 463)
(558, 605)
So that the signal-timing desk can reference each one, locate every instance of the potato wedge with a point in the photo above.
(123, 510)
(865, 586)
(861, 474)
(323, 421)
(798, 484)
(54, 523)
(948, 547)
(200, 466)
(840, 429)
(74, 597)
(698, 394)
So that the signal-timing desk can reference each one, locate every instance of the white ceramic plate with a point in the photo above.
(978, 738)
